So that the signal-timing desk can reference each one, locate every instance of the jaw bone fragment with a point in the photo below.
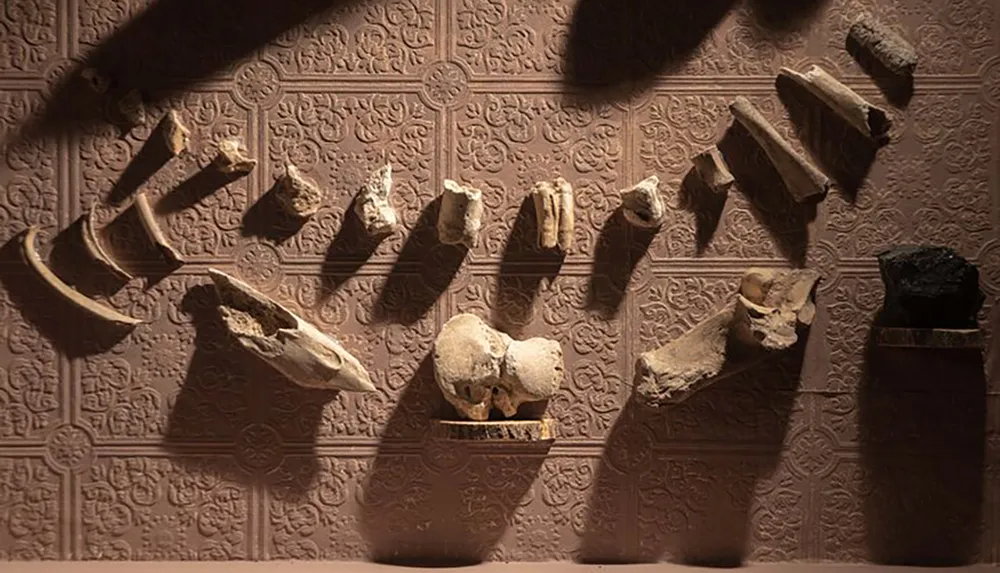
(556, 214)
(479, 368)
(763, 318)
(870, 120)
(231, 161)
(297, 195)
(803, 180)
(713, 170)
(889, 48)
(153, 231)
(461, 215)
(66, 292)
(288, 343)
(642, 204)
(373, 205)
(92, 244)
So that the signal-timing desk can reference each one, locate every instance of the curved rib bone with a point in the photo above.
(153, 231)
(231, 161)
(288, 343)
(67, 292)
(870, 120)
(92, 244)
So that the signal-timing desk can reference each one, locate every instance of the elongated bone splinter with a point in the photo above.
(870, 120)
(92, 244)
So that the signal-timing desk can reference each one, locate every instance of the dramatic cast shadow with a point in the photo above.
(189, 192)
(349, 251)
(152, 156)
(842, 152)
(523, 269)
(230, 397)
(134, 250)
(898, 90)
(691, 508)
(786, 15)
(772, 203)
(422, 272)
(71, 330)
(71, 262)
(706, 205)
(922, 418)
(267, 220)
(620, 247)
(429, 503)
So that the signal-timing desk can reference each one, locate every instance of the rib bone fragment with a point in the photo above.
(870, 120)
(461, 215)
(92, 244)
(765, 317)
(889, 48)
(373, 205)
(713, 170)
(231, 161)
(479, 368)
(555, 212)
(642, 204)
(66, 292)
(297, 195)
(154, 232)
(803, 180)
(289, 344)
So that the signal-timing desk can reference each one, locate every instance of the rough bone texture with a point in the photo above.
(642, 204)
(764, 317)
(889, 48)
(479, 368)
(231, 159)
(291, 345)
(929, 287)
(461, 215)
(173, 135)
(869, 119)
(713, 170)
(296, 195)
(373, 205)
(555, 210)
(512, 431)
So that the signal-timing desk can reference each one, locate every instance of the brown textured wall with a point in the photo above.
(169, 443)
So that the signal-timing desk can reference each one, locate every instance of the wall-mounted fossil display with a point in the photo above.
(555, 210)
(153, 230)
(65, 291)
(461, 215)
(172, 134)
(288, 343)
(479, 368)
(764, 317)
(889, 48)
(642, 204)
(495, 431)
(92, 244)
(803, 180)
(929, 287)
(231, 160)
(373, 205)
(297, 195)
(869, 119)
(713, 170)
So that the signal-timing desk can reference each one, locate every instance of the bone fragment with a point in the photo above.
(153, 230)
(297, 195)
(479, 368)
(173, 135)
(288, 343)
(765, 317)
(713, 170)
(461, 215)
(66, 292)
(803, 180)
(555, 213)
(642, 204)
(567, 214)
(373, 205)
(92, 244)
(231, 160)
(870, 120)
(495, 430)
(890, 49)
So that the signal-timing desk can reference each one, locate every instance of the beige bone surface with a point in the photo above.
(297, 195)
(642, 204)
(374, 206)
(461, 215)
(867, 118)
(230, 159)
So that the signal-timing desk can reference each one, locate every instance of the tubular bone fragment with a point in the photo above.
(713, 170)
(231, 161)
(870, 120)
(65, 291)
(153, 230)
(461, 215)
(889, 48)
(297, 195)
(289, 344)
(803, 180)
(92, 244)
(642, 204)
(567, 214)
(374, 207)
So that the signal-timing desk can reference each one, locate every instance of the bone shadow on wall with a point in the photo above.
(922, 418)
(169, 47)
(707, 206)
(620, 247)
(229, 398)
(693, 508)
(440, 503)
(898, 90)
(349, 251)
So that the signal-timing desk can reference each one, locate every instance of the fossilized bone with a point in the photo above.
(479, 368)
(642, 204)
(713, 170)
(298, 196)
(65, 291)
(92, 244)
(763, 318)
(461, 215)
(803, 180)
(869, 119)
(555, 210)
(173, 135)
(889, 48)
(288, 343)
(373, 205)
(231, 161)
(153, 230)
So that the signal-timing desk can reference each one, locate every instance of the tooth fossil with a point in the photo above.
(153, 231)
(174, 136)
(65, 291)
(92, 244)
(870, 120)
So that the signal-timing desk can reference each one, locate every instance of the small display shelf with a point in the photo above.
(946, 338)
(510, 431)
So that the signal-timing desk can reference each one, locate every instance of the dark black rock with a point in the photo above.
(929, 287)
